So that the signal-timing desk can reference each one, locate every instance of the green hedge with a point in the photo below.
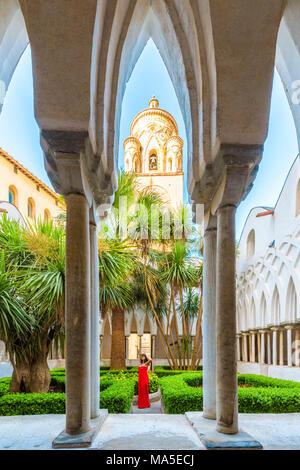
(32, 404)
(133, 375)
(164, 372)
(266, 395)
(116, 395)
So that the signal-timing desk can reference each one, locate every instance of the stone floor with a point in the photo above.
(154, 409)
(147, 431)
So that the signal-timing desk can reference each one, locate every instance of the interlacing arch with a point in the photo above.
(269, 283)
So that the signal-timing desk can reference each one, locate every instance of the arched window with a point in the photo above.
(298, 199)
(250, 244)
(31, 208)
(13, 195)
(47, 215)
(152, 160)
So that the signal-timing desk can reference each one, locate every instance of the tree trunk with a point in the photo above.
(33, 377)
(40, 375)
(20, 381)
(118, 340)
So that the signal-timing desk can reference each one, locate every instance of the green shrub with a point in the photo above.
(182, 393)
(163, 372)
(118, 397)
(32, 404)
(59, 381)
(262, 381)
(4, 385)
(132, 374)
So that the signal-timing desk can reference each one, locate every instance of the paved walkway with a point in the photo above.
(154, 409)
(147, 431)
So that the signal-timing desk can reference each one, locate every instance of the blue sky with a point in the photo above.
(19, 132)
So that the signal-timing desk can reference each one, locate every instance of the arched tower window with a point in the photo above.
(251, 244)
(31, 208)
(13, 195)
(152, 160)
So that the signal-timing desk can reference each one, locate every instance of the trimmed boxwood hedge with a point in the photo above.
(116, 395)
(164, 371)
(117, 390)
(133, 375)
(182, 393)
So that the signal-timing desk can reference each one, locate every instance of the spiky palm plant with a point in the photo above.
(35, 256)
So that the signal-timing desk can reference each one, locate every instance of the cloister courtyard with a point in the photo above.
(149, 206)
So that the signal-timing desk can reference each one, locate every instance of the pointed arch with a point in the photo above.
(262, 311)
(181, 31)
(252, 317)
(275, 313)
(291, 302)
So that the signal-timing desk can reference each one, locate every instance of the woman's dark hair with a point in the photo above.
(144, 360)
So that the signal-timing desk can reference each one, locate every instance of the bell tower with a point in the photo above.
(154, 152)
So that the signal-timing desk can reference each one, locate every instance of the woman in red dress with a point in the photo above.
(143, 396)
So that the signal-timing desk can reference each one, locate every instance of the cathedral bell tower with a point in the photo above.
(154, 152)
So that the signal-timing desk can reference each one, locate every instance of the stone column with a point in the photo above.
(258, 346)
(227, 403)
(126, 347)
(245, 347)
(269, 347)
(209, 320)
(297, 348)
(275, 355)
(153, 346)
(95, 324)
(281, 347)
(77, 315)
(238, 347)
(262, 347)
(252, 346)
(140, 346)
(101, 343)
(289, 329)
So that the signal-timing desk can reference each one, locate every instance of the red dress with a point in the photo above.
(143, 396)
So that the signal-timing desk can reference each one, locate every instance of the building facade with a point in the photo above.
(22, 189)
(268, 286)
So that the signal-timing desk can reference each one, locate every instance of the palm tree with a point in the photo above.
(35, 260)
(116, 261)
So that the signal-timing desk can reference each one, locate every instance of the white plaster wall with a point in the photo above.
(277, 372)
(270, 268)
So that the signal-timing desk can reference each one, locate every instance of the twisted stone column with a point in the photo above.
(77, 315)
(209, 321)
